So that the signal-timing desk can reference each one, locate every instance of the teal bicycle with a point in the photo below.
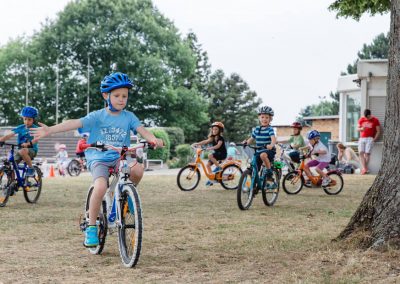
(253, 180)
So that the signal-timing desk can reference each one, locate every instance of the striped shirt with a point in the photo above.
(262, 135)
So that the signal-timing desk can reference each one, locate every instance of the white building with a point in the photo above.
(366, 89)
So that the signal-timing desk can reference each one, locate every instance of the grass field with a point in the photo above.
(198, 236)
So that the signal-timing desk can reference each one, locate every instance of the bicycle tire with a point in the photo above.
(74, 168)
(130, 243)
(5, 182)
(274, 193)
(33, 186)
(292, 183)
(192, 174)
(230, 178)
(102, 225)
(336, 185)
(246, 187)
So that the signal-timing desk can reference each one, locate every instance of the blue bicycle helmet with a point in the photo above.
(29, 111)
(313, 134)
(266, 110)
(115, 81)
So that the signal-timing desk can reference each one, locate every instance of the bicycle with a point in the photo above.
(293, 182)
(13, 176)
(189, 176)
(76, 166)
(254, 179)
(121, 207)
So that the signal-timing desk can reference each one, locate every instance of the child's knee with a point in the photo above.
(23, 151)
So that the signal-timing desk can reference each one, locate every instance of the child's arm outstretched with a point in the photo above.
(149, 137)
(204, 142)
(45, 130)
(6, 137)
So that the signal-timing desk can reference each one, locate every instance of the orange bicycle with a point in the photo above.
(293, 182)
(189, 176)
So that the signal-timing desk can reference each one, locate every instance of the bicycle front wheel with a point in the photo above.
(336, 184)
(270, 196)
(188, 178)
(230, 177)
(131, 228)
(33, 186)
(5, 182)
(292, 183)
(101, 223)
(245, 192)
(74, 168)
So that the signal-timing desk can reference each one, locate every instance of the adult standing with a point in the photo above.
(370, 129)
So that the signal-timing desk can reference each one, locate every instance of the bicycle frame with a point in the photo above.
(316, 180)
(255, 178)
(211, 176)
(19, 177)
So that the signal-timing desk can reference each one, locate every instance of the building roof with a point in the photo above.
(321, 117)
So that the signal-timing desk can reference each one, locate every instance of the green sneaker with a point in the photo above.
(91, 238)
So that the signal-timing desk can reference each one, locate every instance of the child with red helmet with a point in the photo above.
(218, 147)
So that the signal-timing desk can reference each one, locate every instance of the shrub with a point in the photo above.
(184, 154)
(160, 153)
(176, 137)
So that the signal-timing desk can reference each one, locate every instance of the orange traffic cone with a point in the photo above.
(51, 173)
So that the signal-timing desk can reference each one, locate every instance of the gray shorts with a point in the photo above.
(100, 169)
(365, 144)
(17, 157)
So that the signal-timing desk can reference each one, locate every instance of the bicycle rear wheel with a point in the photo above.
(270, 196)
(188, 178)
(336, 184)
(292, 183)
(5, 182)
(245, 192)
(33, 186)
(101, 223)
(74, 168)
(131, 228)
(230, 177)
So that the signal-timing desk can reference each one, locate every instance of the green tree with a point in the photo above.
(325, 107)
(233, 103)
(132, 33)
(378, 49)
(375, 222)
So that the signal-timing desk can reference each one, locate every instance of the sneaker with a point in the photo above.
(209, 183)
(326, 181)
(272, 185)
(91, 238)
(308, 183)
(217, 169)
(30, 172)
(364, 171)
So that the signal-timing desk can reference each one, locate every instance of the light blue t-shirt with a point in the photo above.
(109, 129)
(24, 136)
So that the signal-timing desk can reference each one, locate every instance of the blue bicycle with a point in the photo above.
(252, 180)
(13, 177)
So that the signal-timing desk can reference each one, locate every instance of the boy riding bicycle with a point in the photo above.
(27, 149)
(264, 136)
(111, 125)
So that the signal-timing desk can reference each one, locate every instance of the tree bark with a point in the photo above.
(377, 219)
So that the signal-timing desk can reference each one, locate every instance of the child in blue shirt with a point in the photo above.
(27, 149)
(264, 136)
(111, 125)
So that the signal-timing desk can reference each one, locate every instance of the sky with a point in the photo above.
(290, 52)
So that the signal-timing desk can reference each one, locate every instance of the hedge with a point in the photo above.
(160, 153)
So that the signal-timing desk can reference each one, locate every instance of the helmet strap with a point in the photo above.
(110, 106)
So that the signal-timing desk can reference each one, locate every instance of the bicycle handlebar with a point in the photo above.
(104, 147)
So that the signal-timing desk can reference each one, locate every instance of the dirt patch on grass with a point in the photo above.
(198, 236)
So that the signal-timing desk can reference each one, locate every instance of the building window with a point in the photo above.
(353, 110)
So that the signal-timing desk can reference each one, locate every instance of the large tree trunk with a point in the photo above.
(377, 219)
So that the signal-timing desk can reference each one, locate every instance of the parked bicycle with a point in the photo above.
(121, 208)
(13, 177)
(189, 176)
(253, 180)
(294, 181)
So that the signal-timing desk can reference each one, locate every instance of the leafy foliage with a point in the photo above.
(176, 137)
(160, 153)
(355, 8)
